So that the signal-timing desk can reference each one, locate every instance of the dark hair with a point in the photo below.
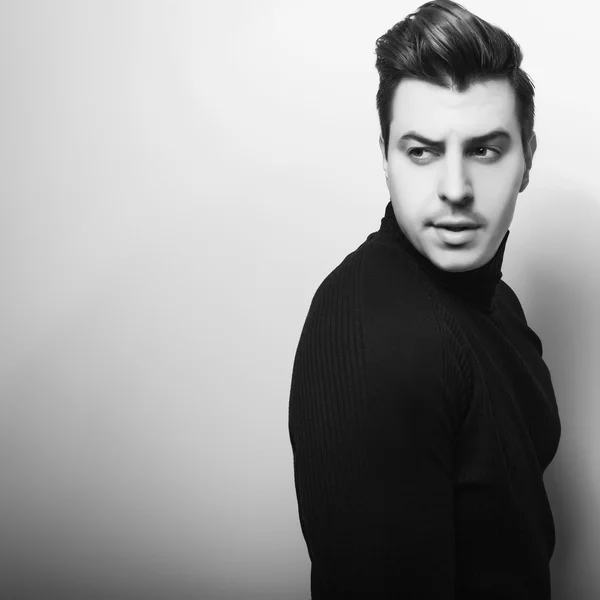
(445, 44)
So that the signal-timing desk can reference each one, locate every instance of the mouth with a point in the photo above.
(457, 226)
(456, 234)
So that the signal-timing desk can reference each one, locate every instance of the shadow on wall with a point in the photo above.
(560, 267)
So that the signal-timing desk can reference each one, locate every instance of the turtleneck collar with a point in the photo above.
(476, 287)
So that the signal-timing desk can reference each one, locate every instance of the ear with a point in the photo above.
(530, 149)
(385, 162)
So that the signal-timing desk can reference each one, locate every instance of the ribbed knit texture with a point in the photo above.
(422, 417)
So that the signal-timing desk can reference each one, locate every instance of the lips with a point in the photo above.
(456, 234)
(456, 225)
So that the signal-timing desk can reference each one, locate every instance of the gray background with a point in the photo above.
(177, 179)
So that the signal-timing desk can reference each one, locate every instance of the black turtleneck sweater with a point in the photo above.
(421, 418)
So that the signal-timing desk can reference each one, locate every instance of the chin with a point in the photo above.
(457, 261)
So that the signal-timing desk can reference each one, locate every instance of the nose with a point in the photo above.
(455, 184)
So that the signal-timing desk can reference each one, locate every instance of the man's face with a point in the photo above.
(454, 168)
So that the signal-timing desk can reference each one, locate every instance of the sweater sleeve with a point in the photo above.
(372, 430)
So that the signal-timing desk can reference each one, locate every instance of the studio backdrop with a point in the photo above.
(177, 179)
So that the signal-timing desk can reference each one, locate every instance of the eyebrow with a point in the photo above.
(478, 139)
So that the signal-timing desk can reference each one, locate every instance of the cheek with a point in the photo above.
(412, 188)
(498, 189)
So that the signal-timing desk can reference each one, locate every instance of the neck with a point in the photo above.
(476, 287)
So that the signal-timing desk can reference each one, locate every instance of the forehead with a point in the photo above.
(438, 111)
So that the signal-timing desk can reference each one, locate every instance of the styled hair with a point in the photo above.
(445, 44)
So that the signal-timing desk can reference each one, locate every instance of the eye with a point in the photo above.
(485, 152)
(421, 155)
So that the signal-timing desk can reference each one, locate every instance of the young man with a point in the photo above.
(422, 415)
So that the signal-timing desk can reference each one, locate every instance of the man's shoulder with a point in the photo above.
(381, 286)
(379, 276)
(376, 308)
(508, 302)
(513, 315)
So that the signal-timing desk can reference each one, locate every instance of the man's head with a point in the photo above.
(456, 114)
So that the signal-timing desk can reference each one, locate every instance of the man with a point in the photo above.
(422, 415)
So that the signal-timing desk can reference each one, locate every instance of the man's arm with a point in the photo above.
(373, 445)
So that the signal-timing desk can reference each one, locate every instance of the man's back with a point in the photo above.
(422, 417)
